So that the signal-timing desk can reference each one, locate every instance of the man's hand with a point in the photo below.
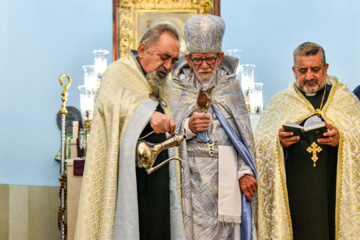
(248, 185)
(331, 137)
(162, 123)
(287, 138)
(199, 122)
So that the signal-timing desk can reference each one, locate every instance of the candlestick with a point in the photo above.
(247, 79)
(256, 99)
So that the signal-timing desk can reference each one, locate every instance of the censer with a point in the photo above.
(147, 152)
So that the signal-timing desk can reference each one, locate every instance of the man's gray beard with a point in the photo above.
(307, 89)
(158, 85)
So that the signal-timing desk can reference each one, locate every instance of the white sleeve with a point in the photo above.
(243, 168)
(189, 134)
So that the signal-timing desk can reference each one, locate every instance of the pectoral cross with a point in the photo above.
(211, 143)
(314, 148)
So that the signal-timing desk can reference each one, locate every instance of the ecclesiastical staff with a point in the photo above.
(62, 178)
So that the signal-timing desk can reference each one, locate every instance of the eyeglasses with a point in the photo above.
(208, 60)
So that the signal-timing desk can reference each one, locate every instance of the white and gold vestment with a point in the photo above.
(108, 206)
(342, 110)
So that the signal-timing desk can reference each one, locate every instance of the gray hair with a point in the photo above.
(309, 49)
(152, 34)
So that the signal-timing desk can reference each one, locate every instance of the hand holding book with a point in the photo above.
(331, 137)
(287, 138)
(314, 130)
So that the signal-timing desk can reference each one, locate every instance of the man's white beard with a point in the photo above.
(158, 85)
(207, 77)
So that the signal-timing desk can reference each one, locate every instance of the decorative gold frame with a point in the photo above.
(132, 17)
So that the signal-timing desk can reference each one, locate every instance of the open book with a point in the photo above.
(312, 130)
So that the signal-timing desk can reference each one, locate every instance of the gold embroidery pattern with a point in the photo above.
(341, 110)
(96, 215)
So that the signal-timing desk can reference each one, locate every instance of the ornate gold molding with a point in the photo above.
(127, 19)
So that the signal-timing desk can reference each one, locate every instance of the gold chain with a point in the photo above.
(318, 110)
(314, 147)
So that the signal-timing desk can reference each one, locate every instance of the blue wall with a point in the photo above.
(39, 40)
(267, 32)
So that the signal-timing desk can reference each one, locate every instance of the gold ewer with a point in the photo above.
(147, 152)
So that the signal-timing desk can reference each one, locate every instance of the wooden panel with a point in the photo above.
(18, 212)
(4, 211)
(29, 212)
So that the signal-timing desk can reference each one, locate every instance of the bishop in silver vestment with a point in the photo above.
(214, 174)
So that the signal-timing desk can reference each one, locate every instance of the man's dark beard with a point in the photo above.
(158, 84)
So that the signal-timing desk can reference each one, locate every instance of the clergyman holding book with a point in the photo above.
(309, 188)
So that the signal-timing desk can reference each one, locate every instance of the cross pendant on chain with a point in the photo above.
(314, 148)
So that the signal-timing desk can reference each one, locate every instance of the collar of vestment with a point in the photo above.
(134, 55)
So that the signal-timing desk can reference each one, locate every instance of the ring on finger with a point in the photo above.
(330, 139)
